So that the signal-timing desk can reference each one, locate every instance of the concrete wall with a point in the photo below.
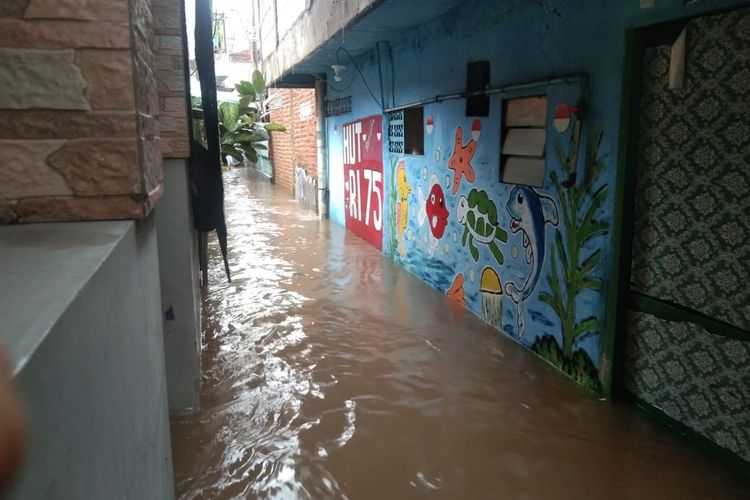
(93, 381)
(321, 20)
(296, 110)
(177, 240)
(80, 140)
(180, 296)
(559, 313)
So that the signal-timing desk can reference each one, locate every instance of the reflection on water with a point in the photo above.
(330, 373)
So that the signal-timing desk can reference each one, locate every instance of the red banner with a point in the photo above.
(363, 178)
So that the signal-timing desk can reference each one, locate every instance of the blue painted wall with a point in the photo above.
(524, 42)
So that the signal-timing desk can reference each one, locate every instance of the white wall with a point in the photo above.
(94, 386)
(180, 298)
(335, 175)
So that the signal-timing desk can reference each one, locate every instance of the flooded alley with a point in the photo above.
(328, 372)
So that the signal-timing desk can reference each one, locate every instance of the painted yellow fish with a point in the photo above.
(402, 208)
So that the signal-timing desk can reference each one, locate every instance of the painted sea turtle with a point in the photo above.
(479, 216)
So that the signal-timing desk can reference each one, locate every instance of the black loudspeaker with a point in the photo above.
(478, 78)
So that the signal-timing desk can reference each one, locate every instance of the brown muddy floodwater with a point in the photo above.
(328, 372)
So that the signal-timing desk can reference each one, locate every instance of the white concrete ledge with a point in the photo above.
(43, 268)
(81, 318)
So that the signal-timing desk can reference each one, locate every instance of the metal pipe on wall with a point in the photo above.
(496, 90)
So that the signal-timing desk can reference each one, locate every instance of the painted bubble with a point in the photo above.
(424, 173)
(437, 154)
(447, 181)
(564, 113)
(492, 297)
(454, 236)
(514, 251)
(476, 129)
(472, 276)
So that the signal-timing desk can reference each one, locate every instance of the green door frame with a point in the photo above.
(637, 40)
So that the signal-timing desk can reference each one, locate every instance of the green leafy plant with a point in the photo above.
(242, 129)
(579, 366)
(571, 265)
(199, 126)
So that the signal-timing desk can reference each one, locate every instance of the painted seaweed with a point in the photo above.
(571, 264)
(579, 366)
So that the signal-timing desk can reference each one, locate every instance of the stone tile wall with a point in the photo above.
(168, 22)
(83, 87)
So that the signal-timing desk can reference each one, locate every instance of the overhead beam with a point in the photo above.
(321, 22)
(295, 81)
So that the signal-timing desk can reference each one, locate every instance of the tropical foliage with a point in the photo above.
(242, 129)
(199, 126)
(579, 366)
(572, 265)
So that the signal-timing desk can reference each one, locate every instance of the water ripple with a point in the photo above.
(330, 373)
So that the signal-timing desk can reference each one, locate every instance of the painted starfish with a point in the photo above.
(456, 291)
(460, 160)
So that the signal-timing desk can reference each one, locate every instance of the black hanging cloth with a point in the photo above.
(207, 186)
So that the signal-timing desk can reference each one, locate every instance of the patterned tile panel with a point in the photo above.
(692, 221)
(696, 378)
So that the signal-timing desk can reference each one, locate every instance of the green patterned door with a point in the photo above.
(687, 348)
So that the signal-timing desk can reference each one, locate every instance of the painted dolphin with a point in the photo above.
(529, 212)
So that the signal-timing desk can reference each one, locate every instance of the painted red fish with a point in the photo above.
(434, 210)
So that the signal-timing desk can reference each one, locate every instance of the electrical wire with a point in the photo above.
(393, 77)
(341, 89)
(380, 73)
(360, 75)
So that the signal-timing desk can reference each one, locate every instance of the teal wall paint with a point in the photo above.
(524, 42)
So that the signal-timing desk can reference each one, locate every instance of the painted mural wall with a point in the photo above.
(535, 262)
(526, 260)
(529, 260)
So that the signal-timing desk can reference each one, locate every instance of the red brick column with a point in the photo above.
(296, 110)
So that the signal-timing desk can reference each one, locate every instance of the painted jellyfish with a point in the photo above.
(492, 297)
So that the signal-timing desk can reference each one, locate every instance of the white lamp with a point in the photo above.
(337, 70)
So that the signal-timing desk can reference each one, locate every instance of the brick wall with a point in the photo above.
(297, 146)
(79, 127)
